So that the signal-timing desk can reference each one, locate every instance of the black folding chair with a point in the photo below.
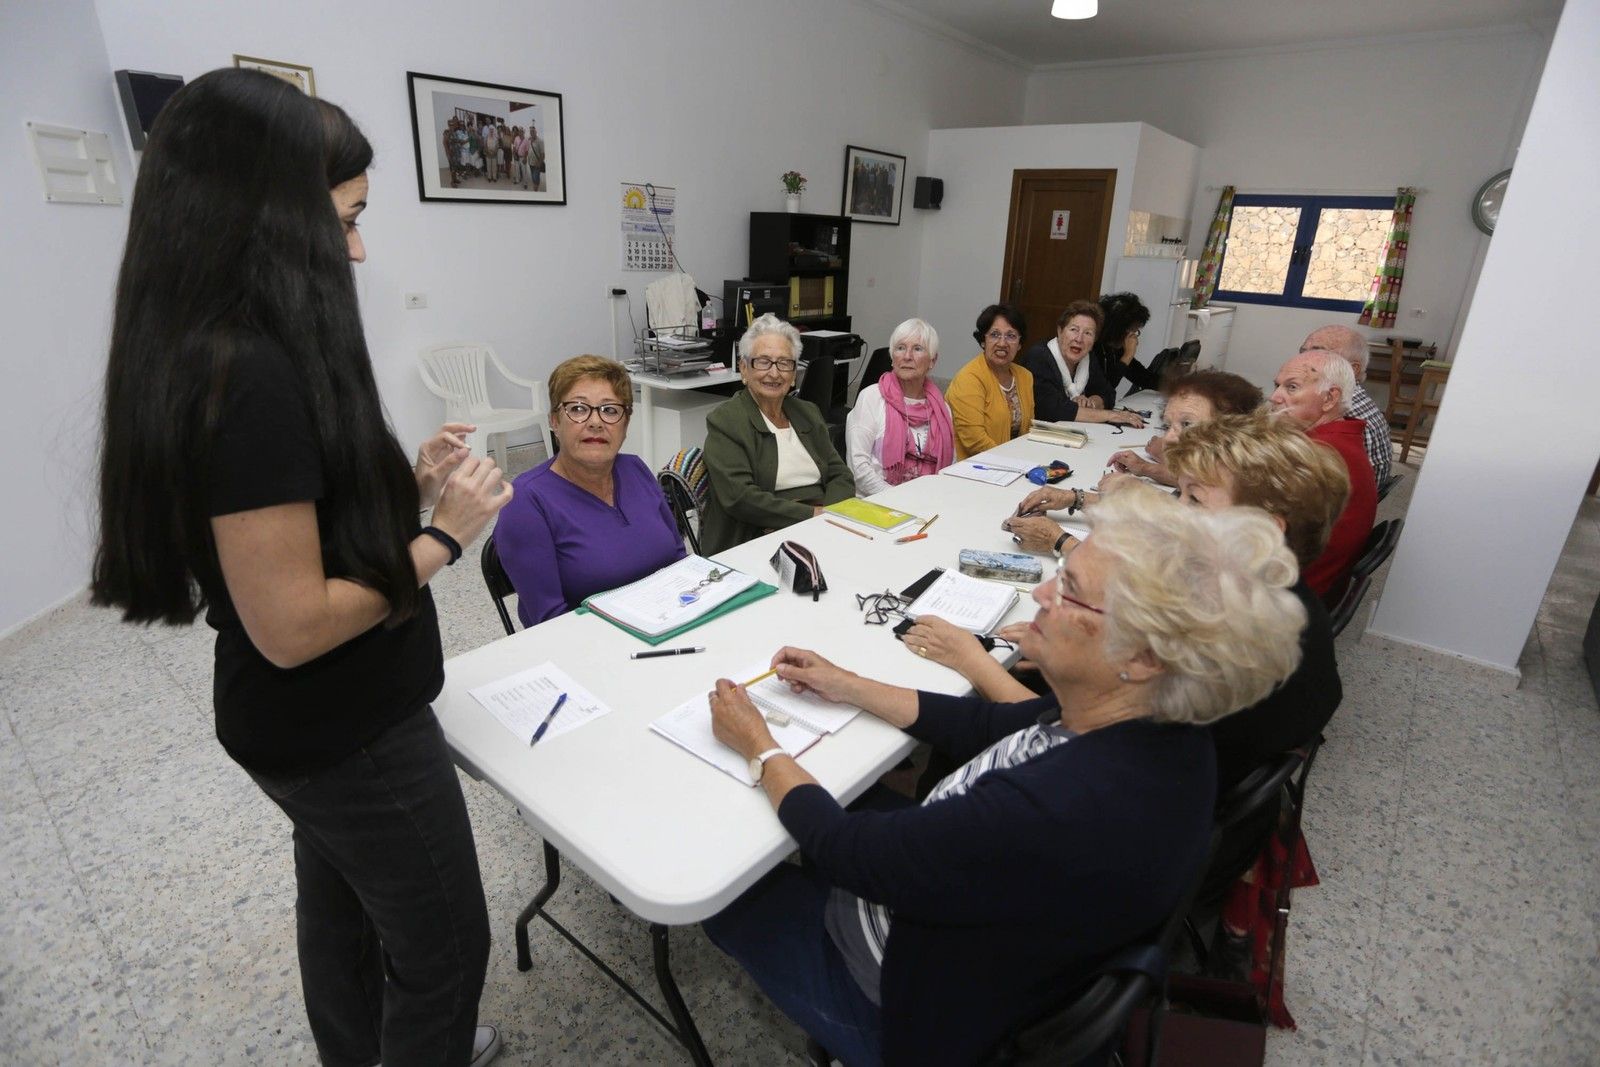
(500, 587)
(1379, 547)
(1345, 609)
(1388, 484)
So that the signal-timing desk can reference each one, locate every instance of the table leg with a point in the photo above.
(647, 427)
(687, 1033)
(552, 879)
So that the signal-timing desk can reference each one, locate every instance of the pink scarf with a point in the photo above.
(901, 461)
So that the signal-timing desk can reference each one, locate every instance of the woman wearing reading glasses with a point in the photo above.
(900, 426)
(1073, 822)
(588, 519)
(768, 453)
(991, 398)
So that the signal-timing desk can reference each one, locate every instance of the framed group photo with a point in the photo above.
(477, 142)
(874, 185)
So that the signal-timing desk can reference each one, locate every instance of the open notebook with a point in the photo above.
(672, 597)
(797, 721)
(970, 603)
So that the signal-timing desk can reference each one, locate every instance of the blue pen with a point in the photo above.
(1008, 470)
(560, 700)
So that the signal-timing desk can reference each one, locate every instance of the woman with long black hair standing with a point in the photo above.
(248, 470)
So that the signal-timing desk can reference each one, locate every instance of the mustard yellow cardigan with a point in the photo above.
(978, 406)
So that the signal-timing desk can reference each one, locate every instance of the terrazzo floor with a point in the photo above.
(148, 886)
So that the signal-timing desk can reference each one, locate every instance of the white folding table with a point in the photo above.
(672, 838)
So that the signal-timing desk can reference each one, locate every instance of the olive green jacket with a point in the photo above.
(742, 459)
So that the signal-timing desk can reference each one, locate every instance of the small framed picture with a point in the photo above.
(299, 77)
(874, 185)
(481, 143)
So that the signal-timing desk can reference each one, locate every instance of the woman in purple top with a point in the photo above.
(588, 520)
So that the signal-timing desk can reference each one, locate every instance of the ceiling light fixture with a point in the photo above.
(1075, 9)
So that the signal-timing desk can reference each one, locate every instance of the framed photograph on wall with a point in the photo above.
(480, 143)
(299, 77)
(874, 185)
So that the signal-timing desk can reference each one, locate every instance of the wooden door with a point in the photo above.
(1049, 264)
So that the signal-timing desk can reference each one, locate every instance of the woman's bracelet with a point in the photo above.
(1077, 502)
(451, 545)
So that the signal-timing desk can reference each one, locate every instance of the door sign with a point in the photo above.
(1058, 225)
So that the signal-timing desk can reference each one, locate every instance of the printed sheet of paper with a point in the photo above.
(970, 603)
(522, 700)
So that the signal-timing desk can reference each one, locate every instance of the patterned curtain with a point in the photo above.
(1383, 300)
(1205, 277)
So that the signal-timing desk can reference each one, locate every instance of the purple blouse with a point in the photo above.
(560, 544)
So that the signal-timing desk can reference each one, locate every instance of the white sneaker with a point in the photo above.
(485, 1046)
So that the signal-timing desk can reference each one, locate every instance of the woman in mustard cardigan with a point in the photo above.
(991, 398)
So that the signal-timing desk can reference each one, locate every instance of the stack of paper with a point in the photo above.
(993, 474)
(672, 597)
(970, 603)
(797, 721)
(1058, 433)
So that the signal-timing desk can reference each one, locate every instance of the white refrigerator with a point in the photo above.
(1165, 286)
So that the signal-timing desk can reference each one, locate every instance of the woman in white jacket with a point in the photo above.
(900, 426)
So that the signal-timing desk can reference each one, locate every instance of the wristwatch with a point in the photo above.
(759, 763)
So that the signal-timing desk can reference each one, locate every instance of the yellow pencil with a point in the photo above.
(849, 529)
(929, 523)
(760, 677)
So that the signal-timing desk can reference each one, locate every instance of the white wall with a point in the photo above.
(716, 97)
(1441, 113)
(57, 271)
(1490, 516)
(963, 244)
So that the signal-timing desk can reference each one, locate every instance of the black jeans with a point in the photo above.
(392, 928)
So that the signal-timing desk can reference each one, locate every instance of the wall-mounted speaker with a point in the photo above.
(929, 193)
(143, 96)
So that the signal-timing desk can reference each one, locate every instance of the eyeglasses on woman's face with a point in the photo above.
(766, 363)
(1063, 597)
(578, 411)
(1009, 337)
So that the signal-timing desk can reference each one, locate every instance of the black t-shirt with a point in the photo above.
(266, 452)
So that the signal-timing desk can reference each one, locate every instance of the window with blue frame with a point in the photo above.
(1303, 251)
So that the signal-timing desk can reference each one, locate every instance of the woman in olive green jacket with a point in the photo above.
(768, 453)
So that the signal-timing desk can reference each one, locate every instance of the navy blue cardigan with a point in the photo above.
(1006, 898)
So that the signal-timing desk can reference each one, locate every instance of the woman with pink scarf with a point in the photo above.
(900, 427)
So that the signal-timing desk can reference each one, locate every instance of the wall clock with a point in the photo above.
(1486, 203)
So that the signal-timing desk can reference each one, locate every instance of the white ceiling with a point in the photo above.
(1127, 29)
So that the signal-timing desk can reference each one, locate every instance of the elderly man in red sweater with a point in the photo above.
(1314, 389)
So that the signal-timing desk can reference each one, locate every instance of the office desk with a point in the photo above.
(645, 444)
(671, 837)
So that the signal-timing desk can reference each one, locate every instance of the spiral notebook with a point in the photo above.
(797, 721)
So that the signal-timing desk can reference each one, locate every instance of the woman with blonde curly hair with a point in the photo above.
(1073, 822)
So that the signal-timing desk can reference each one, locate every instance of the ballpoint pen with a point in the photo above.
(912, 537)
(927, 524)
(545, 725)
(653, 653)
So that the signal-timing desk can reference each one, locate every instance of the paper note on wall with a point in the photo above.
(1058, 225)
(647, 226)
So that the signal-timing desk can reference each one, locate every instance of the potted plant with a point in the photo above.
(793, 183)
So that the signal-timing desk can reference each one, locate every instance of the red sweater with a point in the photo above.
(1329, 572)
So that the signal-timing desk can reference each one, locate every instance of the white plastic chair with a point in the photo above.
(455, 373)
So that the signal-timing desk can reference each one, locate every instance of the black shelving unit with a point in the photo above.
(808, 251)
